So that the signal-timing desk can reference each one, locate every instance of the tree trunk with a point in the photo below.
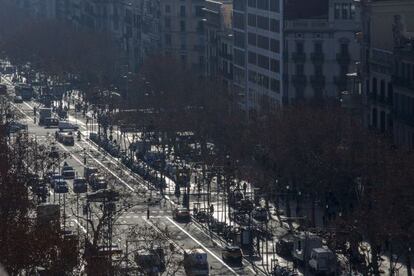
(408, 264)
(375, 258)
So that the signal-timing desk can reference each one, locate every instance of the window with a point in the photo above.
(274, 65)
(184, 59)
(299, 47)
(274, 25)
(239, 38)
(274, 46)
(263, 4)
(345, 8)
(318, 47)
(239, 5)
(182, 25)
(263, 22)
(183, 43)
(238, 21)
(274, 5)
(263, 42)
(344, 48)
(251, 37)
(352, 11)
(199, 11)
(167, 23)
(251, 3)
(239, 57)
(252, 58)
(251, 20)
(374, 85)
(167, 8)
(337, 11)
(299, 69)
(168, 39)
(263, 62)
(252, 76)
(182, 10)
(275, 85)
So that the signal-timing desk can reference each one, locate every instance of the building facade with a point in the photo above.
(257, 53)
(320, 48)
(387, 68)
(182, 32)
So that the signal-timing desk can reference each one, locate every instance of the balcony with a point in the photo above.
(299, 80)
(317, 80)
(299, 57)
(343, 58)
(317, 58)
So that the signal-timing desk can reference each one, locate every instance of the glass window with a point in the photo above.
(251, 37)
(337, 11)
(239, 38)
(251, 20)
(239, 57)
(345, 8)
(182, 25)
(318, 70)
(318, 47)
(263, 4)
(275, 85)
(274, 65)
(299, 69)
(274, 46)
(263, 62)
(299, 47)
(182, 10)
(352, 12)
(263, 22)
(275, 25)
(274, 5)
(167, 23)
(251, 3)
(263, 42)
(239, 5)
(252, 57)
(238, 21)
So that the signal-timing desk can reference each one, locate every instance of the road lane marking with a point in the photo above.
(80, 225)
(204, 247)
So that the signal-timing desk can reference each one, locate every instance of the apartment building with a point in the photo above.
(387, 73)
(219, 41)
(320, 48)
(182, 32)
(257, 53)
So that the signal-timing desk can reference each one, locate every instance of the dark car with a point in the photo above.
(232, 254)
(80, 185)
(61, 186)
(51, 122)
(284, 247)
(97, 182)
(68, 172)
(103, 195)
(55, 177)
(181, 214)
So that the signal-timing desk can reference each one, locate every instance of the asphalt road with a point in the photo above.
(134, 191)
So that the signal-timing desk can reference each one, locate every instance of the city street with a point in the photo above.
(186, 236)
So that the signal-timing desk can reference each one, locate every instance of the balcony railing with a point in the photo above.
(343, 58)
(299, 57)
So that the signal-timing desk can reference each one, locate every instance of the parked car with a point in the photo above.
(284, 247)
(97, 182)
(51, 122)
(181, 214)
(61, 186)
(80, 185)
(232, 254)
(18, 99)
(68, 172)
(56, 177)
(65, 125)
